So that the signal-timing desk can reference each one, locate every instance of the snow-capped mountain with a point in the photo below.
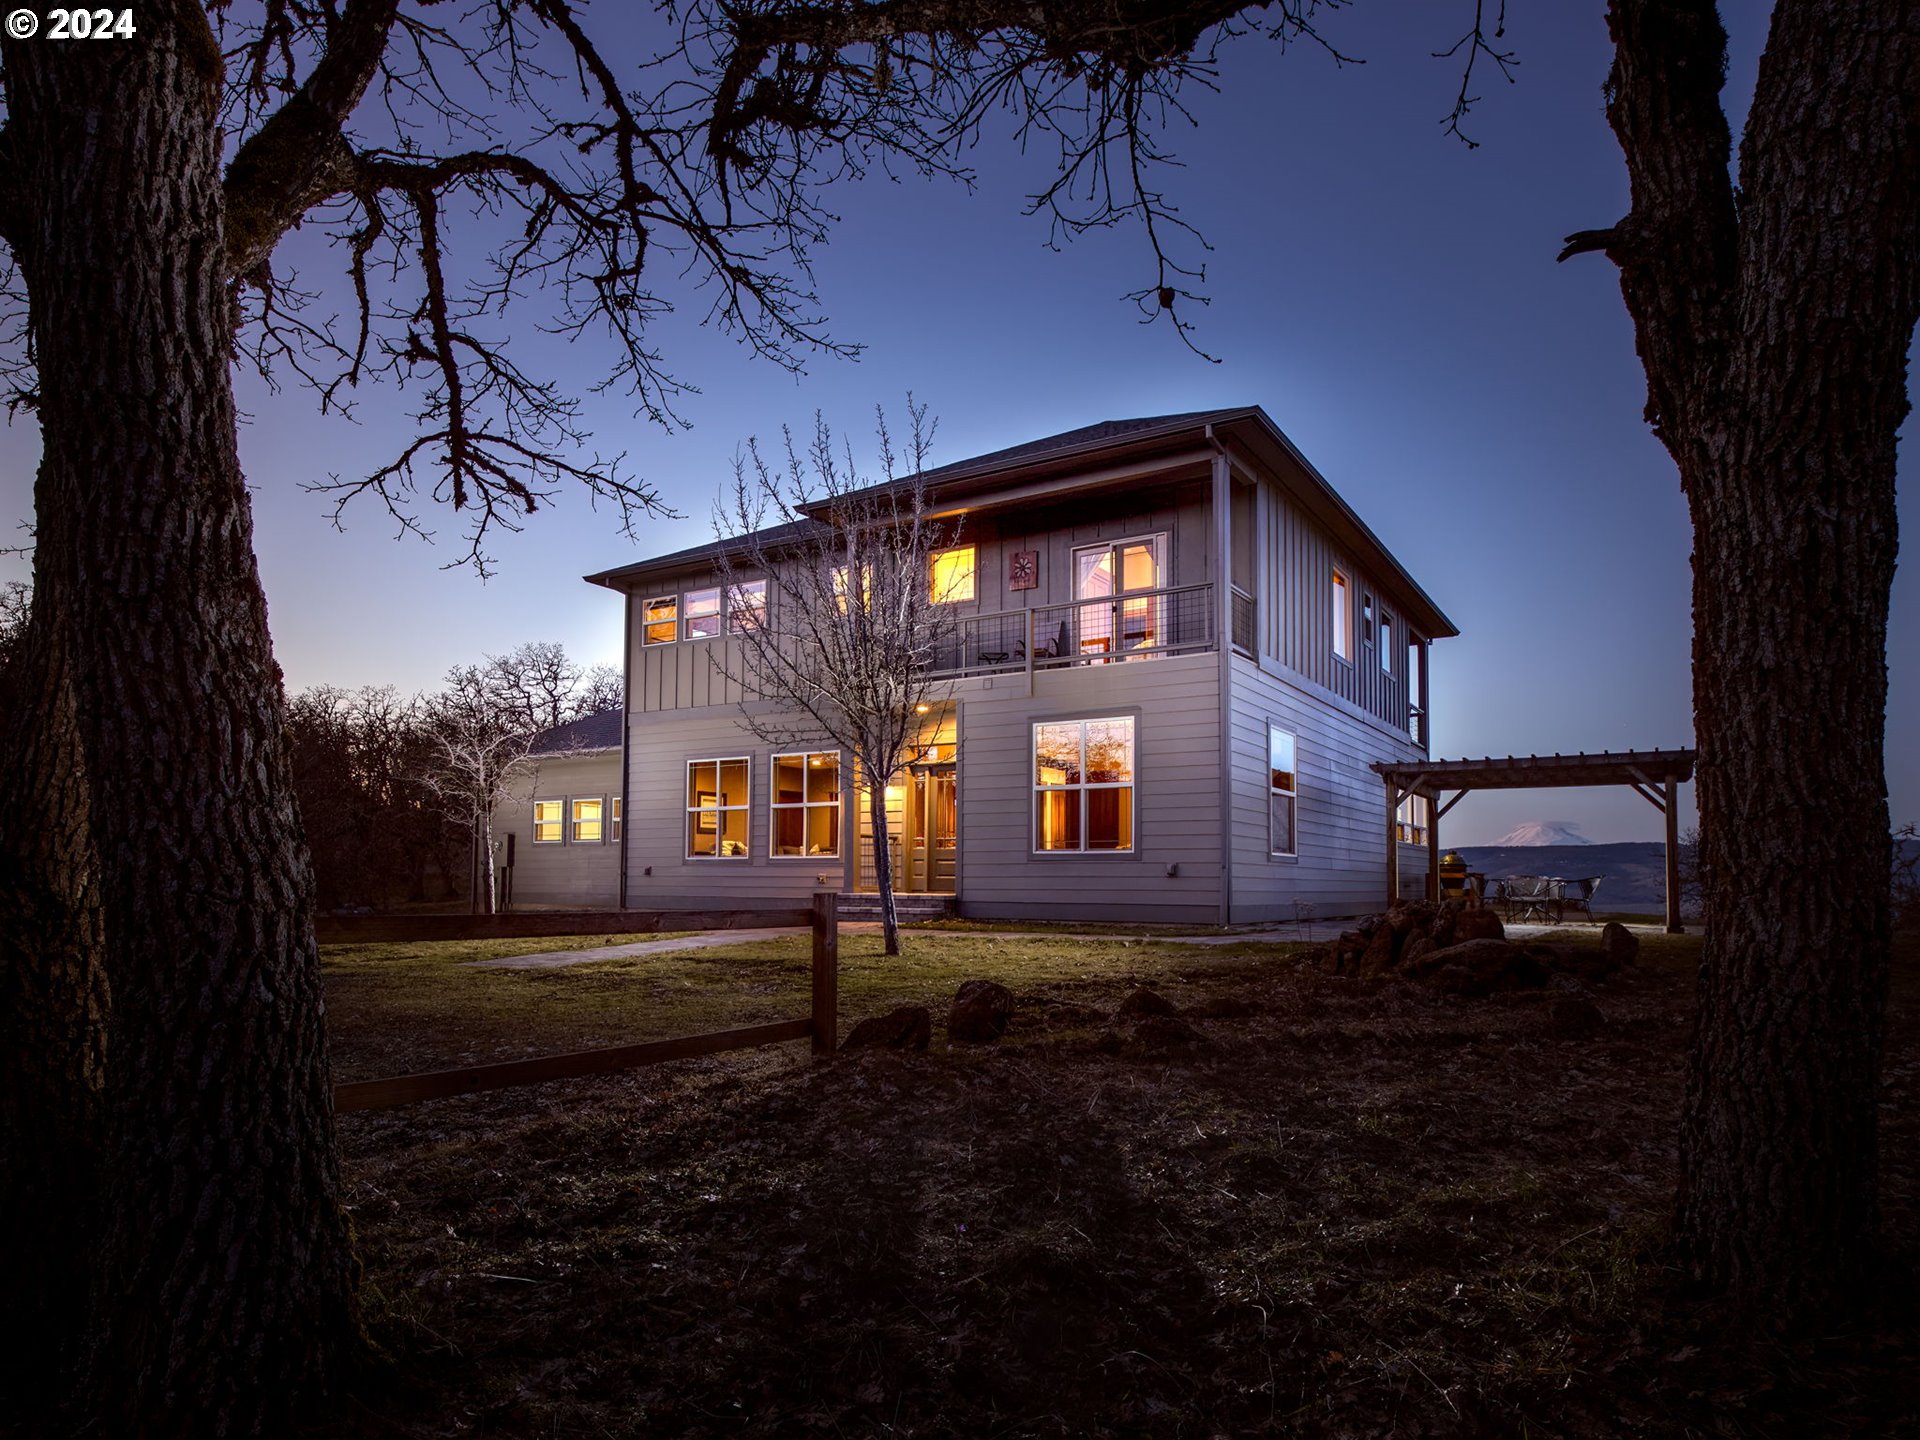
(1544, 832)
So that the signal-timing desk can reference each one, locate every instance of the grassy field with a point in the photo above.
(1355, 1208)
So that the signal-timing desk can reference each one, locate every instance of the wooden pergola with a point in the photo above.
(1655, 775)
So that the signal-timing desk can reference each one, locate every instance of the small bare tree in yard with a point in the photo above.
(847, 640)
(478, 761)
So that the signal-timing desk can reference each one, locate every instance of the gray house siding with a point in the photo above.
(1341, 866)
(571, 874)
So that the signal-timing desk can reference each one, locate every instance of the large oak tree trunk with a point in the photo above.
(1774, 327)
(225, 1274)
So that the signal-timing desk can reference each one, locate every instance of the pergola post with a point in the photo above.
(1672, 790)
(1393, 841)
(1433, 847)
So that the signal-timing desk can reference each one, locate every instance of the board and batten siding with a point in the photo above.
(1341, 863)
(572, 874)
(1175, 705)
(693, 674)
(1295, 560)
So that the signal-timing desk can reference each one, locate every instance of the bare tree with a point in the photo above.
(850, 639)
(601, 688)
(477, 761)
(536, 683)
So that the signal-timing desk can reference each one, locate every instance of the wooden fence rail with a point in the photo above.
(821, 1024)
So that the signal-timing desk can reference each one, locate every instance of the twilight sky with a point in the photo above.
(1387, 295)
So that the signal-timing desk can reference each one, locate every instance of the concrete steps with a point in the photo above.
(907, 907)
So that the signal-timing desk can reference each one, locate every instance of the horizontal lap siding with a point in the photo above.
(1176, 706)
(1341, 868)
(659, 748)
(582, 876)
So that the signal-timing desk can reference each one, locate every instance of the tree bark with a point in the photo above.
(883, 867)
(1774, 335)
(225, 1275)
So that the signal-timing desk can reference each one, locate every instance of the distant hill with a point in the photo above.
(1634, 874)
(1542, 832)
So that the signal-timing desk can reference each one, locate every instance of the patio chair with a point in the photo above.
(1578, 894)
(1530, 897)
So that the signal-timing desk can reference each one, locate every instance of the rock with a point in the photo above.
(1571, 1018)
(1162, 1034)
(1378, 959)
(981, 1010)
(1480, 967)
(1147, 1002)
(1068, 1014)
(1417, 946)
(1621, 944)
(908, 1028)
(1478, 925)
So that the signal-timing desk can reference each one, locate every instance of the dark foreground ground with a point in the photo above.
(1361, 1210)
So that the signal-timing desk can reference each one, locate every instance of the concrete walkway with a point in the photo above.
(1292, 933)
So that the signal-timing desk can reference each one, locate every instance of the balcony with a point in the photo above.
(1137, 625)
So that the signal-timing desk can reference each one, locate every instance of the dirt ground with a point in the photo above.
(1359, 1209)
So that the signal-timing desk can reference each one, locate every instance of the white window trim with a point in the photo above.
(719, 616)
(1293, 794)
(645, 605)
(731, 594)
(775, 806)
(1162, 541)
(1341, 583)
(1386, 642)
(1402, 819)
(1033, 770)
(686, 789)
(572, 821)
(561, 801)
(614, 808)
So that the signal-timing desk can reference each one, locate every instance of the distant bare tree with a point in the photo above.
(477, 759)
(16, 600)
(601, 687)
(849, 639)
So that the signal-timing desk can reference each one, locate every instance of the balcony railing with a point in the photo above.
(1243, 621)
(1137, 625)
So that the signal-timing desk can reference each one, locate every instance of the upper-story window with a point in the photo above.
(1366, 620)
(955, 575)
(700, 618)
(747, 606)
(1283, 793)
(662, 620)
(1386, 641)
(1342, 617)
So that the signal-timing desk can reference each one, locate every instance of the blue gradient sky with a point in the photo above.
(1390, 298)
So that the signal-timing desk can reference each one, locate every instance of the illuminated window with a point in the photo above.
(953, 575)
(1342, 618)
(1083, 785)
(1283, 794)
(1410, 820)
(1386, 641)
(806, 804)
(747, 605)
(701, 618)
(546, 821)
(663, 620)
(717, 809)
(615, 835)
(586, 820)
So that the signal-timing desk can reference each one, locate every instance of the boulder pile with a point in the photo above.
(1465, 951)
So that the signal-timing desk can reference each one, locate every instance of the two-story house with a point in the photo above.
(1179, 652)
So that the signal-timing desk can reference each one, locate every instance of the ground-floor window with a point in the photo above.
(717, 809)
(546, 821)
(1083, 774)
(1283, 794)
(806, 803)
(587, 820)
(616, 818)
(1410, 820)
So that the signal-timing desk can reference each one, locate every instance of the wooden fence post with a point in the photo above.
(826, 972)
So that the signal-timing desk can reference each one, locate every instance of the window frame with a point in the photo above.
(1386, 642)
(1293, 794)
(803, 805)
(1367, 612)
(614, 807)
(1406, 829)
(648, 624)
(1342, 616)
(973, 575)
(559, 822)
(718, 811)
(1084, 787)
(735, 610)
(716, 615)
(574, 821)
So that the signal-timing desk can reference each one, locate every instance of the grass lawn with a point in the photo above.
(1360, 1208)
